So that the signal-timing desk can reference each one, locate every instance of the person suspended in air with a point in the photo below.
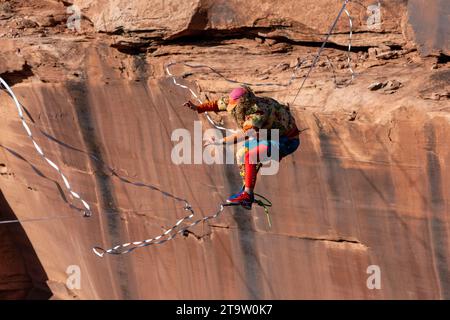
(253, 113)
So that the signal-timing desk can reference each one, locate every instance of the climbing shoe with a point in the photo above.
(242, 198)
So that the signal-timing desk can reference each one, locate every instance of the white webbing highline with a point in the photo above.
(123, 248)
(349, 58)
(87, 208)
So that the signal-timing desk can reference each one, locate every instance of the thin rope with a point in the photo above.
(34, 219)
(321, 49)
(261, 84)
(109, 212)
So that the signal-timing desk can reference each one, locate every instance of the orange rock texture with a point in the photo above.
(367, 187)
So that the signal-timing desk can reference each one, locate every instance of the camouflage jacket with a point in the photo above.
(252, 112)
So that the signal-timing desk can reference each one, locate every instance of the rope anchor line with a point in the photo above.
(316, 58)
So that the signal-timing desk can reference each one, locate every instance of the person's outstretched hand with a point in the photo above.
(190, 105)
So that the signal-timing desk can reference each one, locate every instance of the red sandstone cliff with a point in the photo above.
(368, 185)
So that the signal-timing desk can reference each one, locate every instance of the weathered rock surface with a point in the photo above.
(429, 25)
(294, 20)
(367, 187)
(21, 274)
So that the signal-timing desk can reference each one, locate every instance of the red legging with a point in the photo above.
(250, 168)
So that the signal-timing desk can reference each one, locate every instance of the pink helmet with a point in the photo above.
(237, 93)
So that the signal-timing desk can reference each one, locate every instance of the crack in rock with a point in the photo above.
(327, 239)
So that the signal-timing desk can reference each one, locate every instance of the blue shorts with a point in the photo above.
(285, 145)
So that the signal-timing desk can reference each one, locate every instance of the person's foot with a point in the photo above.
(242, 198)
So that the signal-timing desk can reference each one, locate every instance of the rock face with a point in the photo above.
(21, 274)
(366, 188)
(429, 21)
(303, 20)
